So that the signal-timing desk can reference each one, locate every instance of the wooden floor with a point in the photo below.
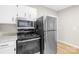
(63, 48)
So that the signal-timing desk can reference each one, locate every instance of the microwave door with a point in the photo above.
(25, 24)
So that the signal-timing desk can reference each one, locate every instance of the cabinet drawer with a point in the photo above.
(8, 50)
(8, 44)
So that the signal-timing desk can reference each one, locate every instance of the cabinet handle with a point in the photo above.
(12, 18)
(25, 14)
(14, 49)
(17, 15)
(4, 45)
(17, 6)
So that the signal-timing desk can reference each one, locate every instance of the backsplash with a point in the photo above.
(8, 29)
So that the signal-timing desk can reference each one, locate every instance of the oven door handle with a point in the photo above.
(29, 40)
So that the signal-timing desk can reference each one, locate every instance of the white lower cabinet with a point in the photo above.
(8, 48)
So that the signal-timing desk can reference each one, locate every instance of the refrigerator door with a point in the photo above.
(46, 27)
(50, 43)
(40, 31)
(50, 23)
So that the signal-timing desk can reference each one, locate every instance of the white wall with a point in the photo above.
(68, 25)
(43, 11)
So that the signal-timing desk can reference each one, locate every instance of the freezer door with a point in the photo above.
(50, 23)
(50, 46)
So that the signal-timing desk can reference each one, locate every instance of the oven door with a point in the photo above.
(31, 46)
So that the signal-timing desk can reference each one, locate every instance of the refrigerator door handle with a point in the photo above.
(45, 36)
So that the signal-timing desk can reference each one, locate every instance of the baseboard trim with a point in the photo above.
(75, 46)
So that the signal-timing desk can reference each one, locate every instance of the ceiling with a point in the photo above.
(57, 7)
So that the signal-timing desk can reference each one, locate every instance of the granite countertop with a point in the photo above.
(4, 39)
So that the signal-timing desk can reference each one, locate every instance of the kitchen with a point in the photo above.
(39, 29)
(22, 35)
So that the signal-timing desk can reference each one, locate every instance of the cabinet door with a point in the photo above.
(27, 12)
(8, 48)
(21, 11)
(32, 13)
(8, 13)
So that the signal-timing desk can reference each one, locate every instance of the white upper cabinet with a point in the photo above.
(21, 11)
(8, 13)
(27, 12)
(32, 13)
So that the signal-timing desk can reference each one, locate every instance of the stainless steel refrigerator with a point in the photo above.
(46, 28)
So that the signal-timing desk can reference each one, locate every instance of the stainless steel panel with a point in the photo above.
(51, 23)
(40, 31)
(29, 47)
(44, 24)
(50, 42)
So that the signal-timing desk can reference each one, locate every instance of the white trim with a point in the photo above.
(29, 40)
(52, 15)
(69, 44)
(37, 53)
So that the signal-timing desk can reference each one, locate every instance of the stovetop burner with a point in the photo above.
(27, 36)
